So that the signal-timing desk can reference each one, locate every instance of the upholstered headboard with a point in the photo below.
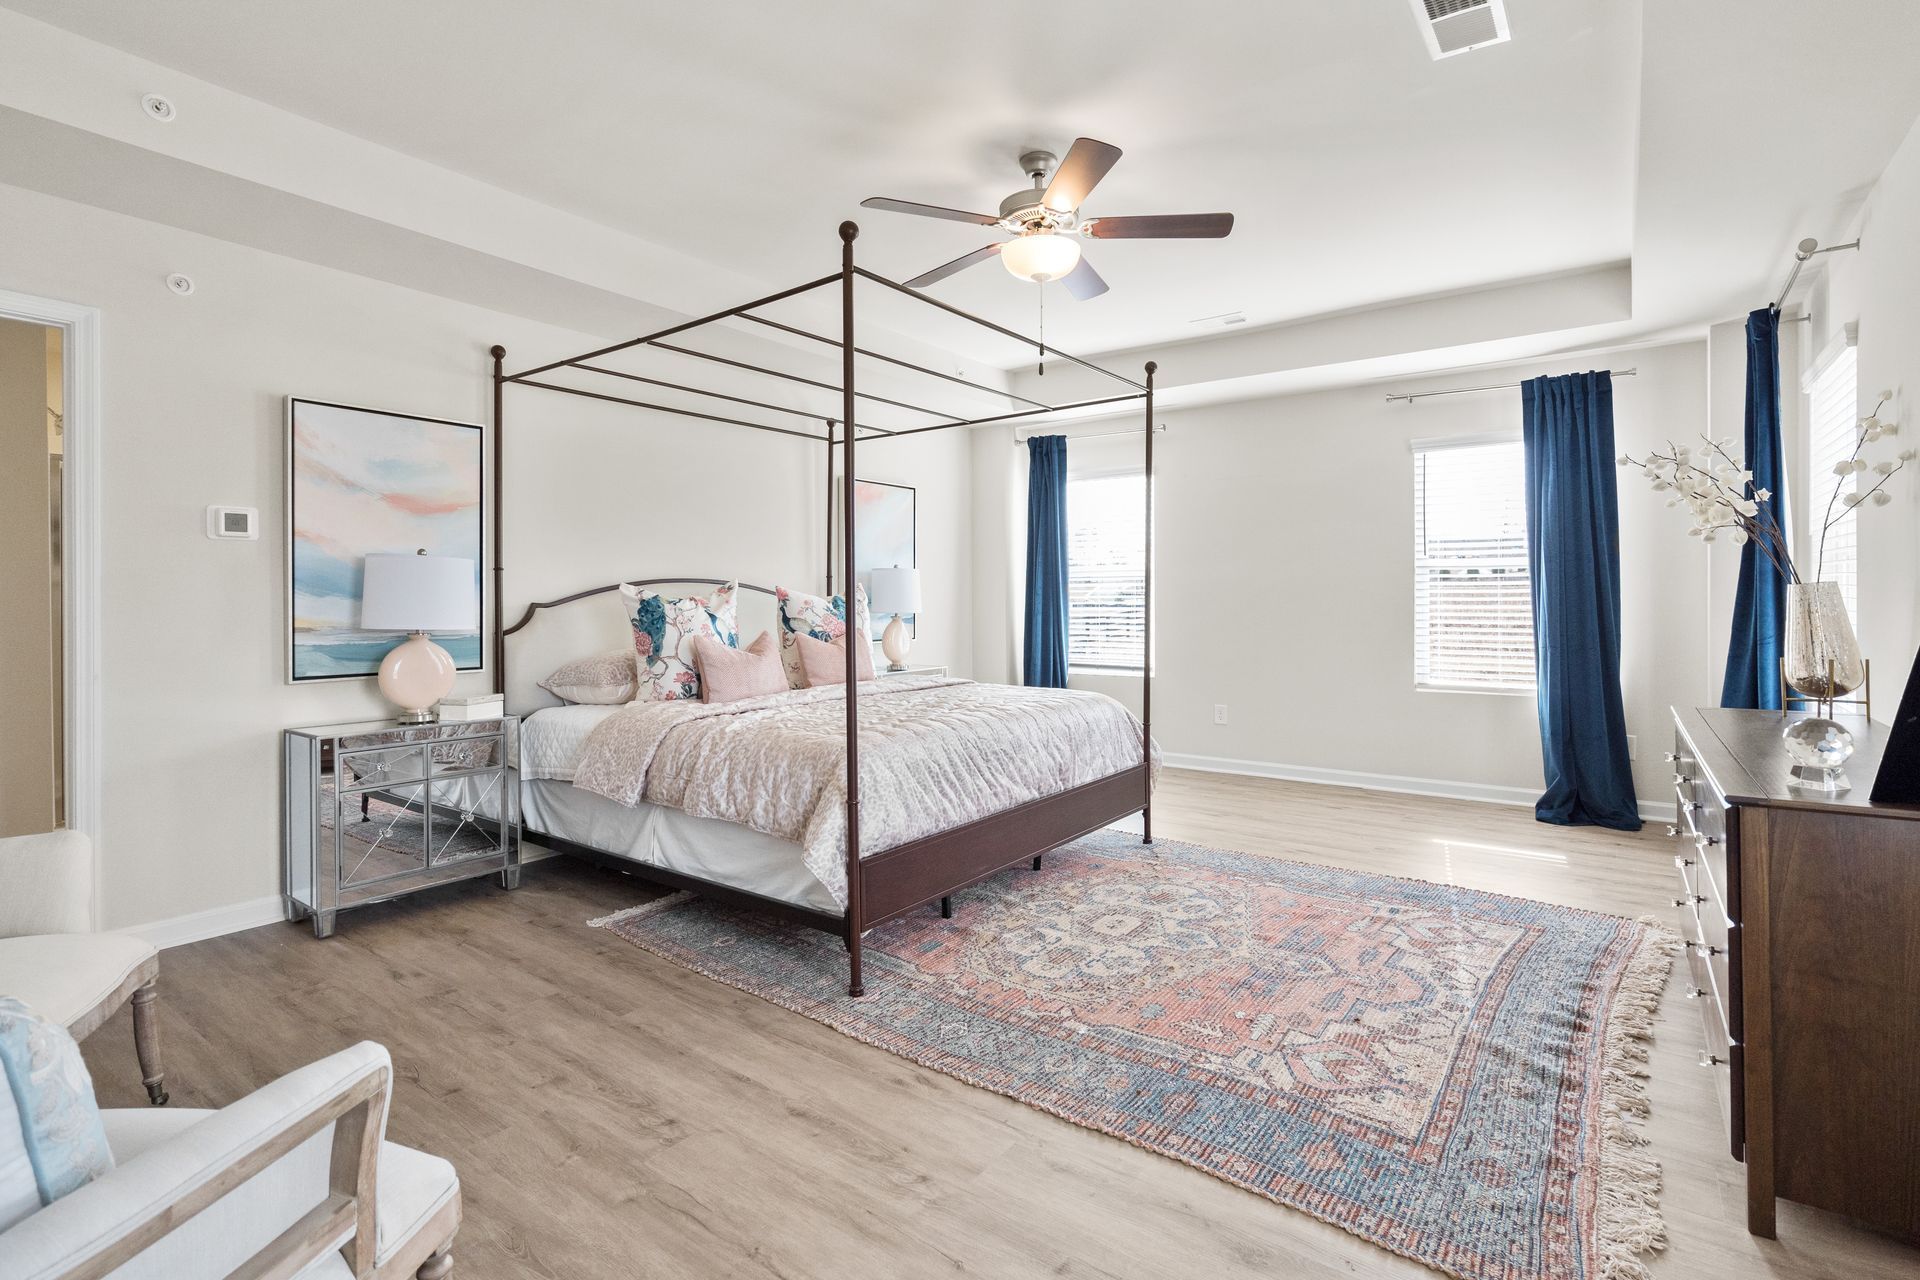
(589, 622)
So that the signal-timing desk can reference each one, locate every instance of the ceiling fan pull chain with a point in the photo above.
(1043, 331)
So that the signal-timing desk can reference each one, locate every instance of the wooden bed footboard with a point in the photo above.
(925, 870)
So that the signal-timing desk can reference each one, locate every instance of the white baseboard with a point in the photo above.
(1486, 793)
(197, 926)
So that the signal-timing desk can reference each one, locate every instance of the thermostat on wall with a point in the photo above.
(233, 522)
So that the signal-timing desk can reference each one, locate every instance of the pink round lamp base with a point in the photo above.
(415, 675)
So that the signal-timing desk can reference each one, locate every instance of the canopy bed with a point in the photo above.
(914, 855)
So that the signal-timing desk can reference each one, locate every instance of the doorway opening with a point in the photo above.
(33, 642)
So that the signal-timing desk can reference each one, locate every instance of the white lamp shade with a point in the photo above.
(1041, 256)
(895, 591)
(419, 593)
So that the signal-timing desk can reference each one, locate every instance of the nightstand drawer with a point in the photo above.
(392, 766)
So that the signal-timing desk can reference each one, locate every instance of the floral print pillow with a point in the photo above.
(663, 632)
(821, 617)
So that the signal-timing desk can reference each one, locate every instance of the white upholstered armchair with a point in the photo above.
(51, 959)
(293, 1180)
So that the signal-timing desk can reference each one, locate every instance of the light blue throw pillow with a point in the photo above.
(53, 1096)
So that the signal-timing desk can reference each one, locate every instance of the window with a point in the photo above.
(1472, 606)
(1106, 579)
(1832, 436)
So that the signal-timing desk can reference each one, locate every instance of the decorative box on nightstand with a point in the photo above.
(376, 809)
(913, 671)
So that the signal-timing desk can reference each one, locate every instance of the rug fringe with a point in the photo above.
(1628, 1223)
(644, 909)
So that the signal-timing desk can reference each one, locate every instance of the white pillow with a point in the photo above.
(603, 681)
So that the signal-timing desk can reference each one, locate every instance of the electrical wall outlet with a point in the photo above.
(1220, 713)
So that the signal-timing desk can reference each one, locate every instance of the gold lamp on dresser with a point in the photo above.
(1801, 911)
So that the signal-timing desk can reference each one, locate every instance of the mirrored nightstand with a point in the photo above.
(376, 809)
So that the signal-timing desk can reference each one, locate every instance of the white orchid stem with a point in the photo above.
(1860, 440)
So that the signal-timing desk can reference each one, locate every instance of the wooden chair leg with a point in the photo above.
(439, 1266)
(1036, 860)
(946, 908)
(146, 1042)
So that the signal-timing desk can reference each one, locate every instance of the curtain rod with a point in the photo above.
(1029, 433)
(1807, 248)
(1411, 396)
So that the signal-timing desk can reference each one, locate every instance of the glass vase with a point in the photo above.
(1822, 657)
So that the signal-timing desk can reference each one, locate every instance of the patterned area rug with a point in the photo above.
(1446, 1073)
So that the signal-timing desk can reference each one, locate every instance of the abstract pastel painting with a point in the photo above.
(883, 535)
(361, 481)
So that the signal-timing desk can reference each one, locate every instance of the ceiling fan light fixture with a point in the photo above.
(1040, 256)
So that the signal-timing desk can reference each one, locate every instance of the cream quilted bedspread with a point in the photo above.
(934, 753)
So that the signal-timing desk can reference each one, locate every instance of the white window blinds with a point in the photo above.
(1106, 580)
(1472, 605)
(1832, 435)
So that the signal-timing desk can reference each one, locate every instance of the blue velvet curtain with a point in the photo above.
(1760, 600)
(1045, 650)
(1573, 555)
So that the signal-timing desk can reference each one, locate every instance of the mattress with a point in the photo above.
(551, 739)
(550, 742)
(657, 836)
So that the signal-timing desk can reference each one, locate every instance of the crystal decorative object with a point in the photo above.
(1822, 656)
(1818, 748)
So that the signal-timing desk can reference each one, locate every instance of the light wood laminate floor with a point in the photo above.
(614, 1115)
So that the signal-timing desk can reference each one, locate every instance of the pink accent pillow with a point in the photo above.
(824, 662)
(728, 674)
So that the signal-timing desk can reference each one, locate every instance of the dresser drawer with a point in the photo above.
(1712, 955)
(1720, 1053)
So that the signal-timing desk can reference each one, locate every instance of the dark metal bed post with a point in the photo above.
(499, 527)
(849, 586)
(1146, 629)
(829, 507)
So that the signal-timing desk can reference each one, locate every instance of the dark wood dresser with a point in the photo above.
(1801, 913)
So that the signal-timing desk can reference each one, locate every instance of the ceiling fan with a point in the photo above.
(1046, 223)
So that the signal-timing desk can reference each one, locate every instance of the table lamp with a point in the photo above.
(895, 591)
(417, 594)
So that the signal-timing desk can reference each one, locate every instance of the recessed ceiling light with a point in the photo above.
(159, 107)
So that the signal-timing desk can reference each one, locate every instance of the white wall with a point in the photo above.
(1879, 287)
(1284, 584)
(194, 673)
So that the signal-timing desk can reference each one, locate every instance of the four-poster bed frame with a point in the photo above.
(927, 870)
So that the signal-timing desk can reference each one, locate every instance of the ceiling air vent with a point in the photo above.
(1457, 26)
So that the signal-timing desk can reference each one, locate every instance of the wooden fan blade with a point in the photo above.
(1083, 282)
(929, 211)
(946, 269)
(1163, 226)
(1087, 162)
